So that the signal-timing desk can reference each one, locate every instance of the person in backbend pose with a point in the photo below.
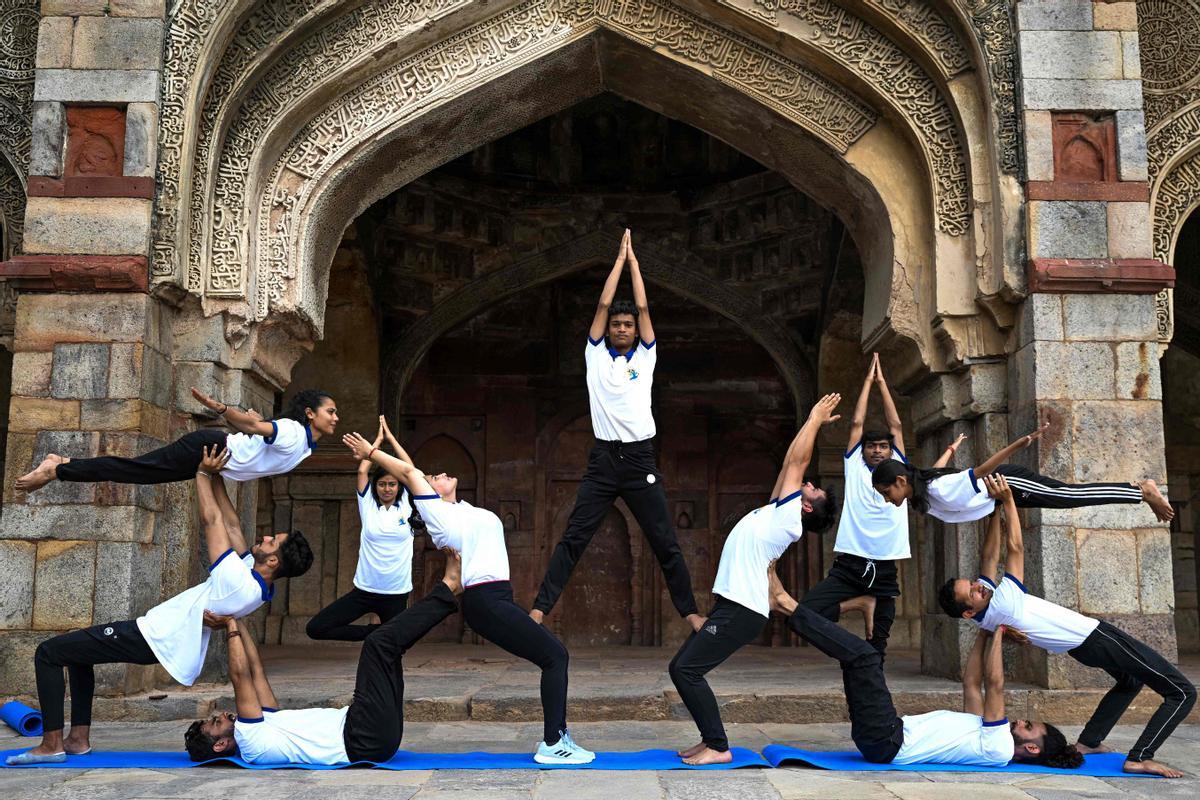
(487, 600)
(259, 449)
(980, 735)
(383, 578)
(172, 633)
(958, 496)
(990, 604)
(742, 603)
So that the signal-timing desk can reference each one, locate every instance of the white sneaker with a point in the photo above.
(565, 751)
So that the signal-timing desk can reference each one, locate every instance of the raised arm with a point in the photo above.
(645, 328)
(600, 321)
(229, 516)
(364, 465)
(791, 477)
(1002, 456)
(860, 408)
(216, 536)
(895, 428)
(972, 681)
(239, 420)
(989, 550)
(948, 453)
(1014, 542)
(405, 472)
(993, 677)
(262, 687)
(397, 449)
(245, 690)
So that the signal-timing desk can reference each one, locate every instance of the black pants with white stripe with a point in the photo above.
(177, 461)
(1031, 490)
(1133, 665)
(730, 627)
(626, 470)
(852, 576)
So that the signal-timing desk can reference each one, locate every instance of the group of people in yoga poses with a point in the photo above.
(395, 494)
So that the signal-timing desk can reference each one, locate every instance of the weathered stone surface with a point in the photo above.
(141, 138)
(16, 661)
(1082, 55)
(1129, 230)
(1039, 146)
(1068, 229)
(74, 8)
(93, 523)
(113, 43)
(97, 86)
(62, 597)
(137, 8)
(1131, 56)
(49, 130)
(95, 225)
(1131, 145)
(1156, 586)
(1057, 561)
(1041, 318)
(44, 320)
(1073, 370)
(1137, 371)
(1109, 317)
(125, 415)
(17, 562)
(1110, 16)
(1054, 15)
(54, 42)
(37, 414)
(1084, 95)
(556, 785)
(1104, 580)
(1117, 440)
(31, 374)
(80, 371)
(128, 577)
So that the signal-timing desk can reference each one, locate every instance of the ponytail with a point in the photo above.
(887, 472)
(304, 400)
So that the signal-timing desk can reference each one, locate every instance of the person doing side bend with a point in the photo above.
(958, 496)
(487, 600)
(383, 577)
(369, 729)
(173, 632)
(741, 602)
(980, 735)
(259, 448)
(990, 604)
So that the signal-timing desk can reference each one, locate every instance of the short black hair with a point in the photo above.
(824, 510)
(199, 744)
(1056, 752)
(949, 602)
(622, 307)
(295, 556)
(878, 436)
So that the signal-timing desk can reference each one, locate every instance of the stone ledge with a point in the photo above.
(70, 273)
(107, 186)
(1100, 275)
(1121, 191)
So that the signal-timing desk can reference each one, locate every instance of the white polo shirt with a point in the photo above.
(959, 497)
(619, 390)
(304, 736)
(253, 456)
(952, 737)
(175, 630)
(759, 538)
(1048, 625)
(870, 526)
(476, 533)
(385, 545)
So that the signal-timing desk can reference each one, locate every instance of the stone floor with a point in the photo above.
(797, 783)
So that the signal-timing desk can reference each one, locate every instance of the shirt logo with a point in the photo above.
(633, 374)
(711, 629)
(650, 479)
(108, 631)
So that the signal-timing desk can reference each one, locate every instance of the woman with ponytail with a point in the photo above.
(258, 449)
(959, 495)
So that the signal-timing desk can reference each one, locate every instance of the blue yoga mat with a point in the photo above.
(403, 760)
(1099, 765)
(21, 718)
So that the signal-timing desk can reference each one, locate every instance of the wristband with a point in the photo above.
(373, 449)
(233, 633)
(200, 472)
(225, 408)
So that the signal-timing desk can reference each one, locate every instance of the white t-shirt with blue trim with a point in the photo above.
(954, 737)
(759, 538)
(475, 533)
(303, 736)
(385, 545)
(870, 526)
(253, 456)
(175, 630)
(1048, 625)
(619, 390)
(958, 497)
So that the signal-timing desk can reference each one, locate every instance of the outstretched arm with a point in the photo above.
(1002, 456)
(791, 477)
(229, 516)
(948, 453)
(262, 687)
(645, 328)
(1014, 544)
(972, 681)
(239, 420)
(399, 451)
(989, 551)
(241, 675)
(596, 332)
(405, 472)
(993, 677)
(860, 408)
(216, 536)
(895, 428)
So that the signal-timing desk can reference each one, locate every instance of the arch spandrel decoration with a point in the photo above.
(19, 21)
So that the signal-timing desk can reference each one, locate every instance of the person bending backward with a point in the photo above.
(980, 735)
(383, 578)
(487, 600)
(369, 729)
(872, 533)
(620, 356)
(742, 601)
(1095, 643)
(958, 496)
(259, 449)
(172, 633)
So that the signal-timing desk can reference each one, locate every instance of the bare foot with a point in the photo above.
(77, 741)
(1083, 748)
(537, 616)
(696, 621)
(32, 481)
(691, 751)
(1153, 497)
(1153, 768)
(707, 756)
(864, 603)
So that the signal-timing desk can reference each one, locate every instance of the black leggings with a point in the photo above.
(375, 720)
(177, 461)
(1031, 490)
(851, 576)
(333, 622)
(490, 611)
(78, 651)
(730, 627)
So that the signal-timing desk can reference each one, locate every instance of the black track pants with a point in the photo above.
(626, 470)
(1031, 490)
(852, 576)
(78, 651)
(333, 622)
(177, 461)
(730, 627)
(490, 611)
(1132, 664)
(375, 720)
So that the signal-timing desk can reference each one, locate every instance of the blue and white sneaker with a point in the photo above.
(565, 751)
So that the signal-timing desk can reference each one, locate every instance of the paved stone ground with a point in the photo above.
(1183, 750)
